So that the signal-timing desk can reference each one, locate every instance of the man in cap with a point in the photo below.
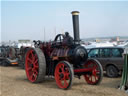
(68, 40)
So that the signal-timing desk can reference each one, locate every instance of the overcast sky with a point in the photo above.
(29, 19)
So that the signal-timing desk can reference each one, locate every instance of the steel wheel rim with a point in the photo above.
(62, 76)
(94, 75)
(31, 65)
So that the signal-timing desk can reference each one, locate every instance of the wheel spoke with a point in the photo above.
(97, 71)
(58, 72)
(34, 77)
(65, 83)
(95, 78)
(62, 66)
(36, 66)
(66, 74)
(29, 68)
(62, 70)
(35, 61)
(94, 66)
(31, 76)
(29, 60)
(33, 57)
(91, 78)
(35, 71)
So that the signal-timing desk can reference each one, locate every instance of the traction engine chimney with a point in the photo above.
(75, 17)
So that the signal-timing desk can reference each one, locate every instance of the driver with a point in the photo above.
(68, 40)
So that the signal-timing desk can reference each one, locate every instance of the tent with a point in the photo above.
(124, 80)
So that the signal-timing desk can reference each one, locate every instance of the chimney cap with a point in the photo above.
(75, 12)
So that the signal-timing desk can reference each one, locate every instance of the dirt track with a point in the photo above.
(13, 82)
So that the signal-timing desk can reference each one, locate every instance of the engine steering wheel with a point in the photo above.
(59, 39)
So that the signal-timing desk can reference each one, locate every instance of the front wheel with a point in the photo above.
(64, 75)
(93, 77)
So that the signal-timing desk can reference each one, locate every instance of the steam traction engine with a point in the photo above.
(62, 61)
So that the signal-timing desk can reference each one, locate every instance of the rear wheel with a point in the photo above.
(64, 75)
(111, 71)
(35, 65)
(95, 76)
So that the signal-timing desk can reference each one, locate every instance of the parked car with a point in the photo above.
(111, 59)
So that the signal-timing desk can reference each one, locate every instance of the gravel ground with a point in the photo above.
(13, 82)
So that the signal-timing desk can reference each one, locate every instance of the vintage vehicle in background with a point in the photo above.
(8, 55)
(62, 58)
(23, 46)
(11, 55)
(111, 59)
(21, 56)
